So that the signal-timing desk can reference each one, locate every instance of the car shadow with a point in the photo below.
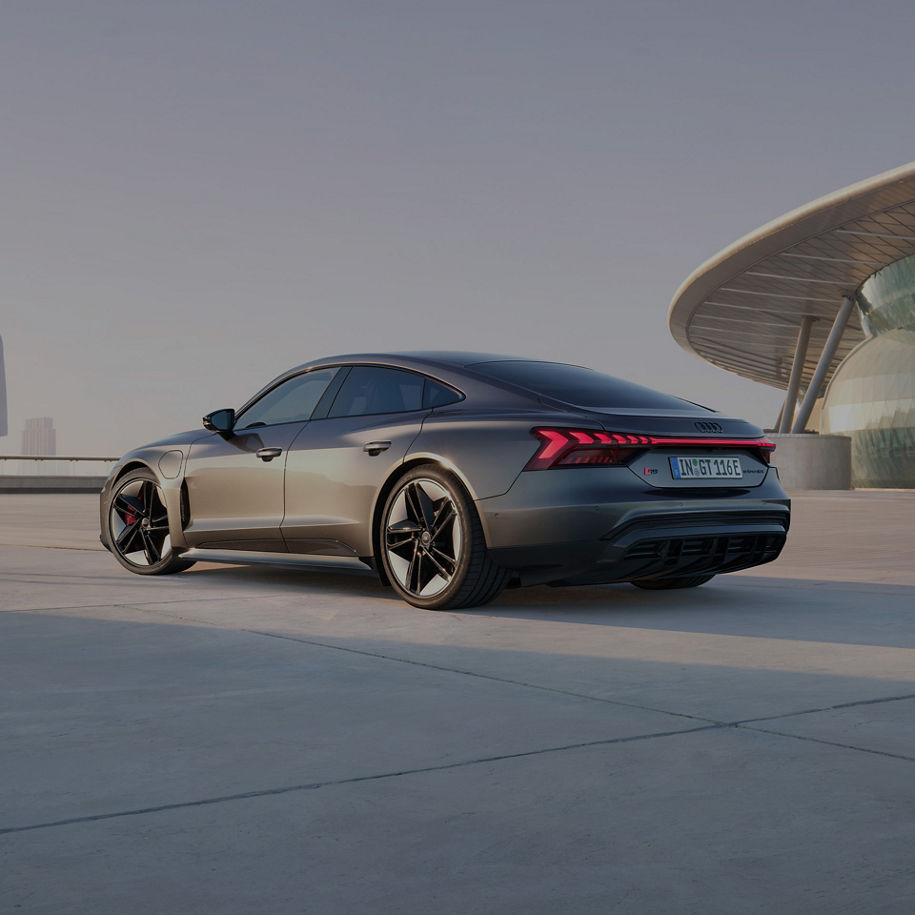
(737, 604)
(325, 578)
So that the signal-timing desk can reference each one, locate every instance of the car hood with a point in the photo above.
(175, 441)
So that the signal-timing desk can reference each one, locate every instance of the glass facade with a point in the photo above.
(887, 299)
(872, 395)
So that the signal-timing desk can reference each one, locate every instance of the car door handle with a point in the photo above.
(268, 454)
(375, 447)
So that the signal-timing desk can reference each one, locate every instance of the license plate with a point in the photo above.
(706, 468)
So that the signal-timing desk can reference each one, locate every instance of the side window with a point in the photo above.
(292, 401)
(438, 395)
(371, 389)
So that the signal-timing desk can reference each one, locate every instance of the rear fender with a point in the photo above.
(486, 451)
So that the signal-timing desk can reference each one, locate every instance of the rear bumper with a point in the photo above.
(591, 526)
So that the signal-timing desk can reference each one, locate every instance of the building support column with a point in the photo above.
(778, 420)
(819, 376)
(797, 369)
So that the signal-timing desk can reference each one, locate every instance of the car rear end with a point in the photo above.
(654, 490)
(587, 510)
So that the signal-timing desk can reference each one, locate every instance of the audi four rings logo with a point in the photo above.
(708, 427)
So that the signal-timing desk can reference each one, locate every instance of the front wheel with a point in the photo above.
(138, 526)
(667, 584)
(432, 545)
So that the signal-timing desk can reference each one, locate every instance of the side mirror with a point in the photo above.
(221, 421)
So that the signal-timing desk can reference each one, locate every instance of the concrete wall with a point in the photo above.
(808, 461)
(47, 483)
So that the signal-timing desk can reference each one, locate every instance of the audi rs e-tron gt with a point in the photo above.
(455, 475)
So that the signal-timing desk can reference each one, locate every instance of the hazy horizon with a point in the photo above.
(199, 196)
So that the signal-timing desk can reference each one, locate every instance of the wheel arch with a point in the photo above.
(175, 497)
(132, 465)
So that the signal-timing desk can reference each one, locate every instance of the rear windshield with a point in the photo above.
(583, 387)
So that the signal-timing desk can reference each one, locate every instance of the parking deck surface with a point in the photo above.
(241, 739)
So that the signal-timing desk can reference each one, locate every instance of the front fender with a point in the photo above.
(167, 464)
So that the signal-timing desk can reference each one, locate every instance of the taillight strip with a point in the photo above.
(595, 447)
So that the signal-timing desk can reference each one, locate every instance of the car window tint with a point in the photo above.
(372, 389)
(583, 387)
(292, 401)
(438, 395)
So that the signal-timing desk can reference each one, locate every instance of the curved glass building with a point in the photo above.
(872, 394)
(822, 301)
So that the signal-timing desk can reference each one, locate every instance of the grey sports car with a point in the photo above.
(455, 475)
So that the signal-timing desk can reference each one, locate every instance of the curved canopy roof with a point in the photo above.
(742, 309)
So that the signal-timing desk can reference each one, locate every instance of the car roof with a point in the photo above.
(453, 367)
(449, 358)
(430, 361)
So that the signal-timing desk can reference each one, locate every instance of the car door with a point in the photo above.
(235, 481)
(337, 463)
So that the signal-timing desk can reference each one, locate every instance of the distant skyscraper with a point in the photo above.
(39, 437)
(3, 426)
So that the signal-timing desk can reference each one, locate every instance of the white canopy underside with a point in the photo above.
(742, 309)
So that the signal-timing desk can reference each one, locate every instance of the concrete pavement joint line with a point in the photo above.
(491, 677)
(550, 689)
(828, 743)
(452, 670)
(137, 605)
(647, 708)
(712, 723)
(49, 546)
(312, 786)
(827, 708)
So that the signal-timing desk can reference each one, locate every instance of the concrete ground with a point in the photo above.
(252, 739)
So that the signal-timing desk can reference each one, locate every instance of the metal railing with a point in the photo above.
(57, 465)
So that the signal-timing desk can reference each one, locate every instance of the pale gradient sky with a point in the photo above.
(198, 195)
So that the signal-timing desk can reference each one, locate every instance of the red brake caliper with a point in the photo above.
(129, 517)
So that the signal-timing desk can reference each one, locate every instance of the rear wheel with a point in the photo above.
(667, 584)
(138, 526)
(432, 545)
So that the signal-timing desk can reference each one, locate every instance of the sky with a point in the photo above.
(200, 194)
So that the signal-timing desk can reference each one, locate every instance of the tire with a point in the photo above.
(668, 584)
(137, 526)
(432, 546)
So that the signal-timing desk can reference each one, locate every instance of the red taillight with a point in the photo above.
(554, 441)
(583, 448)
(590, 448)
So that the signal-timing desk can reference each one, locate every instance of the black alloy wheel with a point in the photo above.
(432, 545)
(138, 526)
